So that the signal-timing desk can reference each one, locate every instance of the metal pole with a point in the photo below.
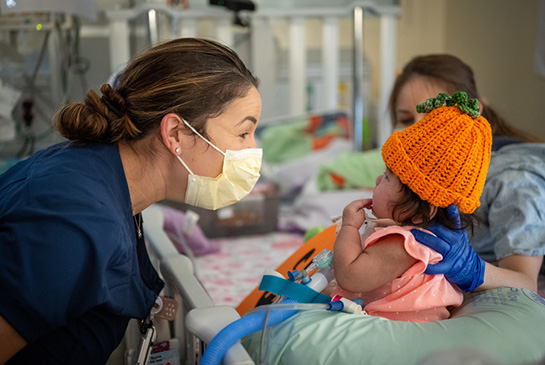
(153, 27)
(357, 94)
(298, 61)
(330, 61)
(387, 75)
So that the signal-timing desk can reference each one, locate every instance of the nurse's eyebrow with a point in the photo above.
(250, 118)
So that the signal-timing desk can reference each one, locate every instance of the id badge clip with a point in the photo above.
(147, 338)
(164, 308)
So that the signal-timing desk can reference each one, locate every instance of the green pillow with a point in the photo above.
(285, 142)
(506, 325)
(358, 169)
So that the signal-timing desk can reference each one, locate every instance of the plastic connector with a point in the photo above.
(336, 306)
(323, 259)
(299, 275)
(292, 275)
(349, 306)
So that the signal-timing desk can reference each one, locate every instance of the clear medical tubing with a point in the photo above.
(228, 336)
(288, 306)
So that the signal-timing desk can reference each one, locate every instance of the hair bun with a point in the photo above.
(113, 101)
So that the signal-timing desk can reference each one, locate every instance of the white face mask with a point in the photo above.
(237, 179)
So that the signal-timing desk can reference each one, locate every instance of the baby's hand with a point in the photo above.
(353, 213)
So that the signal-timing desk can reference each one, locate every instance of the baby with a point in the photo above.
(441, 160)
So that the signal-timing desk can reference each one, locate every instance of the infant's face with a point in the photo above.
(387, 191)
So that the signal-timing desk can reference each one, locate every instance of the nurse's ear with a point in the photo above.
(171, 132)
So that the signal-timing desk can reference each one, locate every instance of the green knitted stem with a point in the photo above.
(459, 98)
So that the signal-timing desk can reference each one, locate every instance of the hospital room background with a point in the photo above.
(326, 70)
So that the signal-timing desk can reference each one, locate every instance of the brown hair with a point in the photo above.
(410, 205)
(194, 78)
(454, 75)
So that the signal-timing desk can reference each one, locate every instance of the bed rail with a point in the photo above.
(181, 283)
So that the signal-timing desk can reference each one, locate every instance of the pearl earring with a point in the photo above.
(178, 150)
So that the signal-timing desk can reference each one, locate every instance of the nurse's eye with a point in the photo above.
(244, 135)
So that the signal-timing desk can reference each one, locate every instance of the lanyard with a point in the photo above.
(164, 308)
(147, 338)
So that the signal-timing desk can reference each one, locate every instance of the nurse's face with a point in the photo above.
(414, 92)
(232, 130)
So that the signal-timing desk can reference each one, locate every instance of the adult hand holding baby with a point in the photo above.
(460, 264)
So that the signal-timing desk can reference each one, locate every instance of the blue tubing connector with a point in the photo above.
(228, 336)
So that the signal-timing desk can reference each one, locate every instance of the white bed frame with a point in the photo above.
(185, 23)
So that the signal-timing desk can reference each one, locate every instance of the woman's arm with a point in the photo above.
(512, 209)
(462, 266)
(10, 341)
(516, 271)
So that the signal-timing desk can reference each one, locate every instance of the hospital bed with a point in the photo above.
(502, 326)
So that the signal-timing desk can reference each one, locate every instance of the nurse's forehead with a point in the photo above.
(231, 122)
(250, 118)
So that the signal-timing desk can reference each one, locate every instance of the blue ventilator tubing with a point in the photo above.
(228, 336)
(307, 292)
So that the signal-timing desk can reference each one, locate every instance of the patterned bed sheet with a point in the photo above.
(232, 273)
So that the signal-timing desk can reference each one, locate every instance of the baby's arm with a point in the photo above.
(362, 271)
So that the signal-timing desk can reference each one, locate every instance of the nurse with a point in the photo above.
(179, 125)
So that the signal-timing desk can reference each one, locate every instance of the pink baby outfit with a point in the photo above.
(414, 296)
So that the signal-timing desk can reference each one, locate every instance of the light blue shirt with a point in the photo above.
(513, 204)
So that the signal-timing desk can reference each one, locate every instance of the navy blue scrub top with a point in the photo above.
(72, 271)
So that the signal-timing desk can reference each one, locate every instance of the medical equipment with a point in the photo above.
(87, 9)
(276, 313)
(56, 67)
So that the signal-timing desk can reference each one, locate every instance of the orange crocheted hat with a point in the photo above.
(444, 157)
